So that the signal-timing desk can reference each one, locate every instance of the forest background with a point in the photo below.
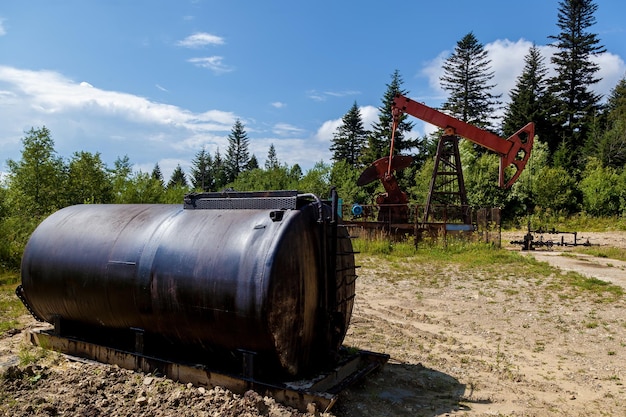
(577, 166)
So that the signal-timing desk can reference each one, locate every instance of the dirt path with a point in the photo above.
(502, 344)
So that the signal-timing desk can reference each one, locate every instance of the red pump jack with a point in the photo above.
(514, 152)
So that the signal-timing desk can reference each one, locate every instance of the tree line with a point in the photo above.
(577, 164)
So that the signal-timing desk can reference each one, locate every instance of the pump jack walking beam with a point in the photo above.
(513, 151)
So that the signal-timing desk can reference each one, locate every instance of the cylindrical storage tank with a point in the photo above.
(251, 279)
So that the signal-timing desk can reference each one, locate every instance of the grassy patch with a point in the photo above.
(10, 306)
(480, 261)
(603, 252)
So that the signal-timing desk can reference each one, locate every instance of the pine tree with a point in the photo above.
(219, 171)
(350, 138)
(253, 163)
(202, 171)
(610, 147)
(157, 174)
(467, 74)
(237, 156)
(379, 138)
(178, 178)
(529, 99)
(576, 104)
(271, 162)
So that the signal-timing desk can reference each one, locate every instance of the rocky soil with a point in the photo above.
(462, 342)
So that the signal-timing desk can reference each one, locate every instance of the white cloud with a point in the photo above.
(2, 29)
(324, 95)
(214, 63)
(284, 129)
(369, 115)
(83, 117)
(278, 104)
(200, 39)
(507, 63)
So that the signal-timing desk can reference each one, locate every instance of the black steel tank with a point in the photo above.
(270, 273)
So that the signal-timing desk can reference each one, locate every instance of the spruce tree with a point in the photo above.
(219, 171)
(237, 156)
(178, 178)
(379, 138)
(202, 171)
(271, 162)
(576, 104)
(253, 163)
(466, 78)
(610, 147)
(350, 138)
(157, 174)
(529, 99)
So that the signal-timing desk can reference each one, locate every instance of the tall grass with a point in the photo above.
(581, 222)
(11, 308)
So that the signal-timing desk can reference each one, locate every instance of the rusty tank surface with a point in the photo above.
(270, 273)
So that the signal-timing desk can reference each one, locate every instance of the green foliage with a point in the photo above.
(145, 189)
(421, 182)
(277, 178)
(555, 189)
(15, 231)
(35, 180)
(481, 181)
(317, 180)
(10, 306)
(600, 188)
(344, 177)
(88, 180)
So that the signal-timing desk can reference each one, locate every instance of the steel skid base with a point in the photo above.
(322, 390)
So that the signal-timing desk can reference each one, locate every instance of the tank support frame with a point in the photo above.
(322, 390)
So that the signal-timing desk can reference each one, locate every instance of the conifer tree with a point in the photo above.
(576, 104)
(350, 138)
(253, 163)
(202, 171)
(157, 174)
(379, 138)
(271, 162)
(178, 178)
(219, 171)
(237, 156)
(529, 99)
(610, 146)
(467, 73)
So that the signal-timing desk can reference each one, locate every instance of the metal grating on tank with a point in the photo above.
(231, 200)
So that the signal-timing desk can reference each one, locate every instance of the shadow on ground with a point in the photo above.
(404, 390)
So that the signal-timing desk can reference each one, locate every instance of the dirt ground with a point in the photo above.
(461, 343)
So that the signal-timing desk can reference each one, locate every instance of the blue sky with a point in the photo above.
(158, 80)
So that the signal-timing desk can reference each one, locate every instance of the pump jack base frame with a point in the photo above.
(322, 390)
